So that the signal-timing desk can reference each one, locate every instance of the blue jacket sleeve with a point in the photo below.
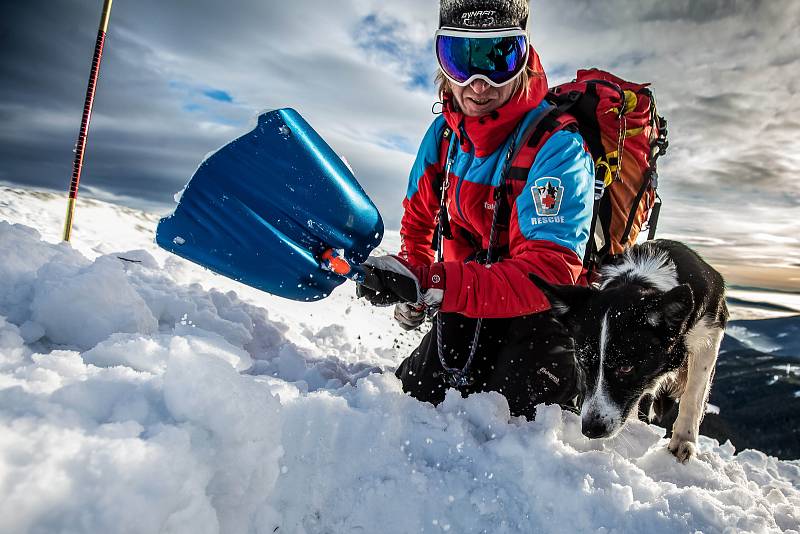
(557, 202)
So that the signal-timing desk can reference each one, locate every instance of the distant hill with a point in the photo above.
(758, 392)
(779, 336)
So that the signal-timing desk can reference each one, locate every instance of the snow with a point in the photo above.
(153, 396)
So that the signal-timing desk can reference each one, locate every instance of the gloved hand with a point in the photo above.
(409, 316)
(391, 280)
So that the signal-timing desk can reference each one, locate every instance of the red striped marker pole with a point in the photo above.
(80, 146)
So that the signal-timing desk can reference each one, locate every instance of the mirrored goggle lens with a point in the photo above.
(498, 58)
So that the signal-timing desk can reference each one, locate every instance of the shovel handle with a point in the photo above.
(335, 263)
(332, 261)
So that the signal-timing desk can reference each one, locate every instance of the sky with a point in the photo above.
(181, 78)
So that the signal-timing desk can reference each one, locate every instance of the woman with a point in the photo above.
(493, 330)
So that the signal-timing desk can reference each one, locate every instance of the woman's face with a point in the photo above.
(480, 98)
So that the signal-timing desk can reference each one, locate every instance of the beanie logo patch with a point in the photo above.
(478, 19)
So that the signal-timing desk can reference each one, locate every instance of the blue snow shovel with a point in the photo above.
(276, 209)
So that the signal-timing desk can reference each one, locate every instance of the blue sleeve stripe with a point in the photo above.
(556, 204)
(427, 155)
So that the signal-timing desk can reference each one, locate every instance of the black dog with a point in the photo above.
(650, 333)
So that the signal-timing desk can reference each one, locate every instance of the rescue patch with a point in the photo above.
(547, 195)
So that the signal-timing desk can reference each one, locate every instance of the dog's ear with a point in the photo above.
(563, 299)
(676, 307)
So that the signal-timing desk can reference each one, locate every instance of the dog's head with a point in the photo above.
(626, 338)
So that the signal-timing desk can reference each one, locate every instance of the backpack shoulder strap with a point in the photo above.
(443, 223)
(444, 146)
(555, 120)
(531, 141)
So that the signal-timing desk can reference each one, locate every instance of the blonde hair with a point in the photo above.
(523, 81)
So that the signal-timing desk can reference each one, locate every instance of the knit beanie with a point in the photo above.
(483, 14)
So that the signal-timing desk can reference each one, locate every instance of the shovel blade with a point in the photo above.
(262, 210)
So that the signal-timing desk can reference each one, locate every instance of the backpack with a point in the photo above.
(625, 136)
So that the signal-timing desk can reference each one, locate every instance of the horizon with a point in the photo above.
(391, 239)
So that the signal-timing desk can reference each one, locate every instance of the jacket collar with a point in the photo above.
(488, 132)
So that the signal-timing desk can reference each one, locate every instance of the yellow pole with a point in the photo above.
(83, 133)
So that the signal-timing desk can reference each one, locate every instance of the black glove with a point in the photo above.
(391, 280)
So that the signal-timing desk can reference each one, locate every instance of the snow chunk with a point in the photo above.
(23, 254)
(12, 346)
(241, 425)
(81, 306)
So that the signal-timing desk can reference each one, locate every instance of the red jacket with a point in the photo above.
(550, 218)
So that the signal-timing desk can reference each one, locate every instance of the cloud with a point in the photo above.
(172, 71)
(699, 12)
(384, 39)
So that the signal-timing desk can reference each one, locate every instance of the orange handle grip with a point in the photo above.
(337, 264)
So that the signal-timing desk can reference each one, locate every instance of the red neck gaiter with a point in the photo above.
(488, 132)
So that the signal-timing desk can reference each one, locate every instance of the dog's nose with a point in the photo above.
(594, 428)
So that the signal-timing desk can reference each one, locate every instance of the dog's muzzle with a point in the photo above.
(594, 427)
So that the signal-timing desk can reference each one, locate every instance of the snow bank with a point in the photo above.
(132, 401)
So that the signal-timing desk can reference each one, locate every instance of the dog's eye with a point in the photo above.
(625, 369)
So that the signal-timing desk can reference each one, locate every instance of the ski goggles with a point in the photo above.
(496, 56)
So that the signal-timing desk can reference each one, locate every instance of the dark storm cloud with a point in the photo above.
(140, 145)
(612, 13)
